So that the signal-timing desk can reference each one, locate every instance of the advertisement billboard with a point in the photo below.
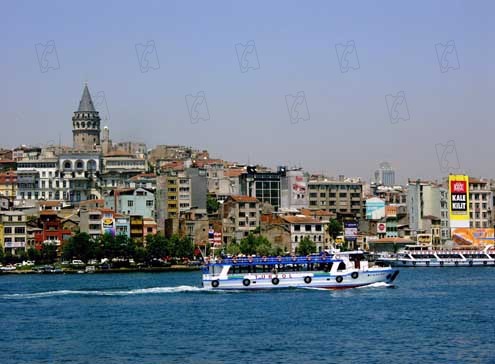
(375, 208)
(425, 239)
(459, 201)
(391, 211)
(108, 224)
(381, 228)
(472, 237)
(350, 230)
(214, 237)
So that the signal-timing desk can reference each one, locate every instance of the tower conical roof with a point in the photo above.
(86, 104)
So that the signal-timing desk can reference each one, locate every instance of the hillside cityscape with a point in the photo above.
(50, 194)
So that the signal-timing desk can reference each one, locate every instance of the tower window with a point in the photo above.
(82, 124)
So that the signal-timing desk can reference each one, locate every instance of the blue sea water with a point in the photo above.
(443, 315)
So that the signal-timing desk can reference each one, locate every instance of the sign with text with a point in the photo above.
(350, 230)
(459, 201)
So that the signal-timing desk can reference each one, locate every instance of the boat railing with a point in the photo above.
(245, 261)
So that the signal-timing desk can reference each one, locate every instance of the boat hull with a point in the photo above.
(314, 279)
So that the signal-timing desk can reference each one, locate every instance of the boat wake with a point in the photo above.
(139, 291)
(378, 285)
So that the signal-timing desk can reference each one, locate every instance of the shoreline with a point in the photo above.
(173, 268)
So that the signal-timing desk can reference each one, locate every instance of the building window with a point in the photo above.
(130, 203)
(297, 227)
(20, 230)
(307, 227)
(149, 203)
(7, 230)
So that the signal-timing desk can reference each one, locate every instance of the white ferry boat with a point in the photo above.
(425, 256)
(336, 271)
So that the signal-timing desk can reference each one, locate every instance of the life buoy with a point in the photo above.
(246, 282)
(275, 281)
(307, 279)
(354, 275)
(308, 258)
(339, 279)
(215, 283)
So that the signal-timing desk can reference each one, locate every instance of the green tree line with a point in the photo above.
(158, 247)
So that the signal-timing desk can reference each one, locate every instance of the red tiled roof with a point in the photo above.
(90, 202)
(233, 172)
(300, 220)
(48, 212)
(239, 198)
(309, 212)
(142, 175)
(50, 203)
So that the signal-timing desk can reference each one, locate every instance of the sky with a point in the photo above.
(334, 87)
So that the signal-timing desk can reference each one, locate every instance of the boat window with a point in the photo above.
(215, 269)
(341, 266)
(492, 255)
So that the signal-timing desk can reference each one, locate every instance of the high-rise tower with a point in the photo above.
(86, 124)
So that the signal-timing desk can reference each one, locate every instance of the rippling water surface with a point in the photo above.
(432, 315)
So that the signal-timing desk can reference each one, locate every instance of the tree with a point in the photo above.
(306, 247)
(80, 246)
(248, 244)
(212, 205)
(233, 249)
(34, 255)
(2, 256)
(184, 248)
(157, 247)
(263, 246)
(48, 253)
(334, 228)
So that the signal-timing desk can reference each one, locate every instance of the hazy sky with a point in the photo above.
(289, 82)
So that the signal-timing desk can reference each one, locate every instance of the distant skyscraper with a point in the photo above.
(385, 175)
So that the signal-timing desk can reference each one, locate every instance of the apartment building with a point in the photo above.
(341, 197)
(240, 216)
(480, 207)
(14, 231)
(427, 208)
(132, 201)
(301, 227)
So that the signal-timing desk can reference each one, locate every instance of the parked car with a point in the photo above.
(77, 262)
